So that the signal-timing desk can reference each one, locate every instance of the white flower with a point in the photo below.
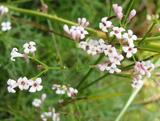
(129, 51)
(29, 47)
(137, 83)
(36, 103)
(129, 37)
(52, 115)
(43, 97)
(116, 59)
(83, 22)
(11, 85)
(117, 31)
(15, 54)
(112, 68)
(60, 90)
(23, 83)
(83, 45)
(35, 85)
(109, 51)
(102, 67)
(6, 26)
(71, 92)
(118, 11)
(104, 25)
(3, 10)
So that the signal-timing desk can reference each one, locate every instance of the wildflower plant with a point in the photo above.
(117, 47)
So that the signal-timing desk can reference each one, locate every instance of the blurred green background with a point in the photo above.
(106, 98)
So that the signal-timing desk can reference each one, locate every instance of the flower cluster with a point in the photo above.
(62, 89)
(5, 25)
(24, 84)
(77, 32)
(141, 69)
(95, 47)
(29, 47)
(52, 115)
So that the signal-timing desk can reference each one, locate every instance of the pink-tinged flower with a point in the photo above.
(144, 68)
(23, 83)
(137, 83)
(75, 32)
(116, 59)
(83, 22)
(109, 51)
(118, 11)
(129, 51)
(117, 31)
(35, 85)
(132, 14)
(12, 84)
(15, 54)
(102, 67)
(29, 47)
(71, 92)
(104, 25)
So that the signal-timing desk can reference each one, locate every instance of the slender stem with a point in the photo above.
(54, 18)
(128, 11)
(131, 98)
(145, 35)
(38, 61)
(89, 72)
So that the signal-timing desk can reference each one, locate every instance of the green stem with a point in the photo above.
(131, 98)
(54, 18)
(145, 35)
(88, 73)
(128, 11)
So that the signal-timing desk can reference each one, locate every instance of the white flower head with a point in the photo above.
(129, 51)
(5, 26)
(12, 84)
(71, 92)
(35, 85)
(60, 89)
(117, 32)
(104, 25)
(3, 10)
(15, 54)
(29, 47)
(43, 96)
(36, 103)
(23, 83)
(83, 22)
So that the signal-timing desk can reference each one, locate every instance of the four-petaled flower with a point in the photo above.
(23, 83)
(6, 26)
(29, 47)
(129, 51)
(104, 25)
(35, 85)
(11, 85)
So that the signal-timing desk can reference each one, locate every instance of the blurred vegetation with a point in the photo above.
(104, 99)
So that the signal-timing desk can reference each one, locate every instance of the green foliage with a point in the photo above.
(104, 100)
